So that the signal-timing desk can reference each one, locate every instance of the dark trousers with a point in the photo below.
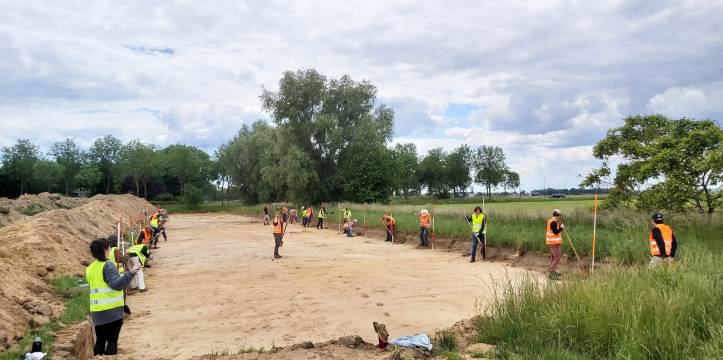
(423, 236)
(277, 240)
(481, 241)
(390, 231)
(320, 223)
(106, 338)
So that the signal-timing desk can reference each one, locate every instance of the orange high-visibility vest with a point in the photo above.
(424, 220)
(278, 226)
(667, 232)
(389, 220)
(550, 237)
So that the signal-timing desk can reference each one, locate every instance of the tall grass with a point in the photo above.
(670, 312)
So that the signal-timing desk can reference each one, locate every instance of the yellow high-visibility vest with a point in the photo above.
(102, 297)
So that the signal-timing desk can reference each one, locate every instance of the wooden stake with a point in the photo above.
(434, 234)
(594, 234)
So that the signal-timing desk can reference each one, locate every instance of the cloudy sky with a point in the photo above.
(542, 79)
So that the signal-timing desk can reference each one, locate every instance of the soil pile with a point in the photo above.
(53, 242)
(29, 205)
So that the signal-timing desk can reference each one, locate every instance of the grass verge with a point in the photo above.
(76, 308)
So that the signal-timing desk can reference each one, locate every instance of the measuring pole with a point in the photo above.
(594, 234)
(391, 213)
(434, 234)
(365, 219)
(338, 211)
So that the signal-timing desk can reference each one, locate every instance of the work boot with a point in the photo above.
(143, 290)
(554, 275)
(471, 260)
(277, 256)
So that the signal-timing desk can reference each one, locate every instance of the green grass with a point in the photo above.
(671, 312)
(76, 308)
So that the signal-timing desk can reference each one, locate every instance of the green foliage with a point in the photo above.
(48, 174)
(88, 177)
(192, 197)
(366, 169)
(432, 173)
(406, 167)
(164, 197)
(139, 161)
(489, 164)
(671, 312)
(445, 342)
(683, 159)
(18, 162)
(185, 163)
(70, 157)
(106, 154)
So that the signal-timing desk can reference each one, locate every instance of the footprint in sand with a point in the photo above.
(380, 304)
(365, 296)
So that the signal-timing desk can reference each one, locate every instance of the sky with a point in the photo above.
(542, 79)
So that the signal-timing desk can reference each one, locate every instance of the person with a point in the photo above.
(663, 243)
(106, 297)
(347, 215)
(389, 221)
(285, 214)
(162, 219)
(157, 228)
(311, 216)
(304, 216)
(278, 234)
(553, 239)
(293, 216)
(478, 221)
(139, 254)
(425, 220)
(266, 215)
(349, 227)
(321, 217)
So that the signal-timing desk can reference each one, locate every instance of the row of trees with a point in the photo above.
(107, 166)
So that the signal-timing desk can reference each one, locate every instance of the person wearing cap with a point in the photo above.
(425, 220)
(662, 241)
(478, 221)
(553, 239)
(389, 222)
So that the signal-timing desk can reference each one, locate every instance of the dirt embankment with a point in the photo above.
(29, 205)
(40, 247)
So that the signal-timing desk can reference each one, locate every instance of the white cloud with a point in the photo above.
(689, 101)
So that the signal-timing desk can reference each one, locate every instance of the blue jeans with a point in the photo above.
(474, 243)
(423, 236)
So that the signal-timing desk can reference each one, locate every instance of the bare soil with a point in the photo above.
(215, 289)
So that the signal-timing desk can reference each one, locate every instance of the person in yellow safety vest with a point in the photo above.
(425, 221)
(347, 215)
(278, 226)
(139, 254)
(553, 240)
(320, 218)
(304, 216)
(389, 221)
(106, 297)
(478, 221)
(663, 243)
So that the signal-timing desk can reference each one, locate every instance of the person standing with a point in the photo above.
(278, 234)
(106, 297)
(266, 215)
(304, 216)
(311, 216)
(425, 220)
(478, 221)
(346, 215)
(553, 240)
(389, 221)
(293, 216)
(285, 214)
(321, 217)
(663, 244)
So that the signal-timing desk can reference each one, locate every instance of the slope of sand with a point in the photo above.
(214, 287)
(38, 248)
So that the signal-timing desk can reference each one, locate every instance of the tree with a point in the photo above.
(367, 173)
(432, 173)
(489, 164)
(457, 169)
(407, 165)
(186, 163)
(70, 157)
(511, 180)
(139, 161)
(48, 173)
(89, 176)
(105, 153)
(666, 163)
(18, 162)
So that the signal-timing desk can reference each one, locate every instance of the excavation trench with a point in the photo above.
(214, 287)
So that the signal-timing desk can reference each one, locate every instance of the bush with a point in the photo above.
(192, 196)
(164, 197)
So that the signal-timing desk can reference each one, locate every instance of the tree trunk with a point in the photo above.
(138, 189)
(145, 188)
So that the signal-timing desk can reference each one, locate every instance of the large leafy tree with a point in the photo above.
(316, 120)
(48, 174)
(366, 170)
(433, 173)
(105, 154)
(665, 163)
(458, 164)
(186, 163)
(407, 164)
(18, 162)
(139, 162)
(511, 180)
(490, 167)
(70, 157)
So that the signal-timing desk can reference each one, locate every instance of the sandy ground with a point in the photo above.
(214, 286)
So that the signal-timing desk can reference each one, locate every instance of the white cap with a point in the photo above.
(425, 212)
(556, 211)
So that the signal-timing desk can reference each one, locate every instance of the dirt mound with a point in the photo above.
(29, 205)
(55, 242)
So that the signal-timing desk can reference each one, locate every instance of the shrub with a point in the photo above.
(192, 196)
